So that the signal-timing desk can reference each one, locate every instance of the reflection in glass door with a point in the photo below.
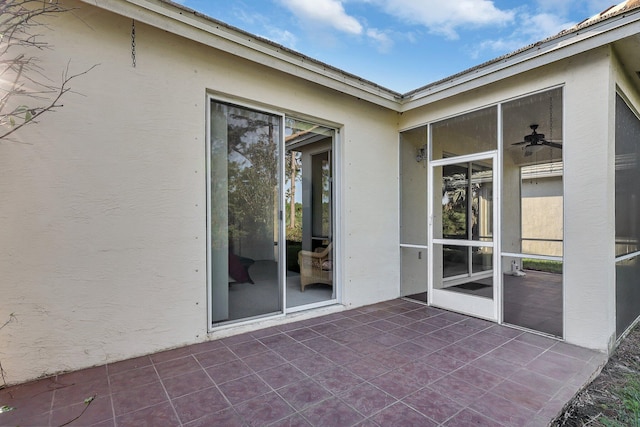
(463, 225)
(309, 204)
(243, 213)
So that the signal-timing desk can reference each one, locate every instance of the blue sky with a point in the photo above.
(402, 44)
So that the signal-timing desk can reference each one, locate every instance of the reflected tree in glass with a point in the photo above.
(253, 174)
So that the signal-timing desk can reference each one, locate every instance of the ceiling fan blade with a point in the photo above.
(551, 144)
(520, 143)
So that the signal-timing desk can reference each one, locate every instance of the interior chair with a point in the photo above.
(316, 267)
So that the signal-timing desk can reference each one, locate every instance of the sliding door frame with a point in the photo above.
(336, 226)
(472, 305)
(213, 97)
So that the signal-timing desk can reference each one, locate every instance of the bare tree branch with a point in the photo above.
(31, 114)
(87, 402)
(12, 317)
(26, 92)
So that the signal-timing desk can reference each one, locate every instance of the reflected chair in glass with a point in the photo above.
(316, 267)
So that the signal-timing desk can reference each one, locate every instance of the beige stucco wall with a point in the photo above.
(103, 211)
(542, 218)
(588, 203)
(588, 188)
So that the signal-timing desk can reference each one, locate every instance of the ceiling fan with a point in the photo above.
(535, 141)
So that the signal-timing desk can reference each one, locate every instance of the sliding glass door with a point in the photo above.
(309, 207)
(244, 212)
(270, 213)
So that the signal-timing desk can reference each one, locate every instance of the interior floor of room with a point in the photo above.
(261, 297)
(392, 363)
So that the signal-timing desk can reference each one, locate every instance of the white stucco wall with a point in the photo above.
(104, 202)
(589, 291)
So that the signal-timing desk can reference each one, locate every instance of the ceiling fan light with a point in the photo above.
(533, 148)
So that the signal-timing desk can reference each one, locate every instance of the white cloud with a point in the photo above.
(445, 17)
(248, 18)
(383, 42)
(597, 6)
(530, 29)
(326, 12)
(564, 7)
(411, 37)
(542, 25)
(555, 6)
(282, 37)
(261, 25)
(497, 46)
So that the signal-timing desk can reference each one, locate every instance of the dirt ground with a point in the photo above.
(602, 402)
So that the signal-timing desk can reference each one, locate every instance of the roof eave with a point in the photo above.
(559, 47)
(191, 24)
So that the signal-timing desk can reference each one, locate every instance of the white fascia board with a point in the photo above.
(592, 37)
(180, 22)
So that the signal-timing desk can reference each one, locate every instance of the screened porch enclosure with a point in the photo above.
(514, 148)
(533, 212)
(627, 215)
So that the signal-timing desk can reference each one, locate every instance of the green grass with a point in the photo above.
(542, 265)
(628, 412)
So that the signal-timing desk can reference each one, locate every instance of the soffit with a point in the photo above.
(628, 52)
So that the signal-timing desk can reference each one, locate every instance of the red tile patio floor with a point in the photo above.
(395, 363)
